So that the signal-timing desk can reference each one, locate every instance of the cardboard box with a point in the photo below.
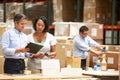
(1, 50)
(1, 64)
(64, 39)
(90, 3)
(71, 29)
(57, 9)
(63, 50)
(89, 14)
(95, 12)
(115, 48)
(2, 30)
(69, 9)
(97, 3)
(100, 41)
(95, 30)
(112, 59)
(74, 62)
(61, 28)
(69, 12)
(119, 62)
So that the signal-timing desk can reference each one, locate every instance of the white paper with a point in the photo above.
(95, 59)
(98, 15)
(61, 28)
(94, 32)
(68, 53)
(110, 60)
(101, 26)
(74, 28)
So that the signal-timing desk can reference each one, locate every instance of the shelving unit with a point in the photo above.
(111, 35)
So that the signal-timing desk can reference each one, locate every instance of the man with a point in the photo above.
(13, 46)
(82, 43)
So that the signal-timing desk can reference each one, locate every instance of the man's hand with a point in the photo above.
(99, 53)
(22, 50)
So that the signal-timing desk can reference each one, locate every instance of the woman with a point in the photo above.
(44, 38)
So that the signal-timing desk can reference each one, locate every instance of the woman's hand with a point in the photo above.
(52, 55)
(39, 55)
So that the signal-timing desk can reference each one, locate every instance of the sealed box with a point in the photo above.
(63, 50)
(74, 62)
(71, 29)
(2, 30)
(1, 64)
(61, 39)
(112, 59)
(61, 28)
(1, 50)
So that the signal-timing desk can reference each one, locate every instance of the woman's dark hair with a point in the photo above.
(83, 28)
(18, 17)
(43, 18)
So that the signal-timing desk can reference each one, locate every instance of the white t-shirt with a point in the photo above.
(50, 40)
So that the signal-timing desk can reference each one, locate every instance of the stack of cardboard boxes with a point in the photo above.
(1, 64)
(71, 29)
(98, 11)
(64, 47)
(65, 55)
(65, 33)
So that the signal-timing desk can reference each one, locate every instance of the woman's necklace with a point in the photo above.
(40, 37)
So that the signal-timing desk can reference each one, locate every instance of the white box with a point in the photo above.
(71, 71)
(50, 66)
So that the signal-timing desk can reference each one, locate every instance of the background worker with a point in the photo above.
(82, 43)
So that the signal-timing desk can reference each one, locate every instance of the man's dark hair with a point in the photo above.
(18, 17)
(83, 28)
(43, 18)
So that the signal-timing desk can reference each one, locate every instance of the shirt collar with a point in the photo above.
(81, 36)
(16, 31)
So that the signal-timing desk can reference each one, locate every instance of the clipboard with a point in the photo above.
(34, 48)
